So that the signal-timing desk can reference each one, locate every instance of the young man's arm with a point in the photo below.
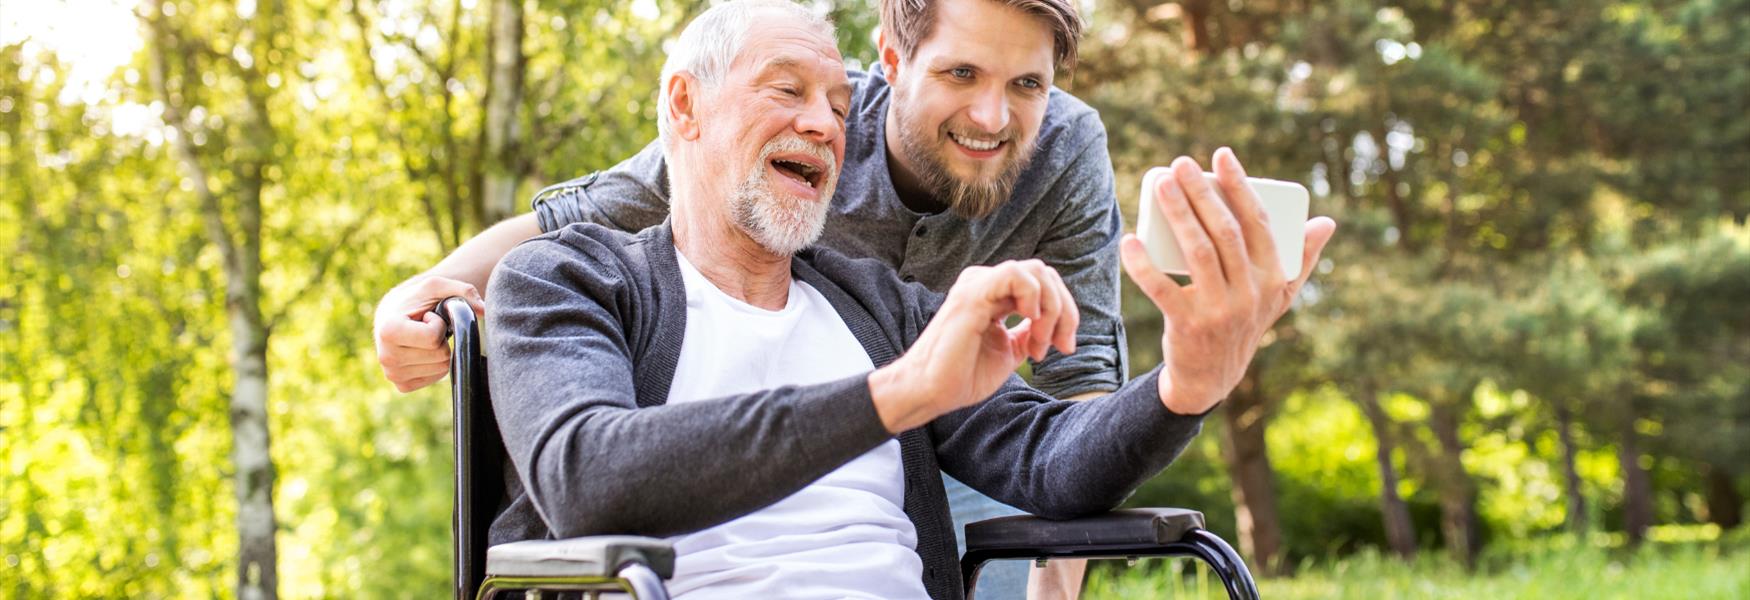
(409, 336)
(1082, 245)
(631, 196)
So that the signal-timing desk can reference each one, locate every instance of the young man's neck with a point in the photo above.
(706, 236)
(912, 191)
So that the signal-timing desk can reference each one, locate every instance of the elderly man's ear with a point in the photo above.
(683, 100)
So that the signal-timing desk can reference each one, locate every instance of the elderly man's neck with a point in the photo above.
(728, 258)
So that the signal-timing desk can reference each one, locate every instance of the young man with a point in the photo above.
(781, 412)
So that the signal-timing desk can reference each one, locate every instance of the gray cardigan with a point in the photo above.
(584, 332)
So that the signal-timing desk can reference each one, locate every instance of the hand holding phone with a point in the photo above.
(1212, 326)
(1284, 202)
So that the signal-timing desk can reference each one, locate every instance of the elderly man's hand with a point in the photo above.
(966, 352)
(410, 337)
(1237, 291)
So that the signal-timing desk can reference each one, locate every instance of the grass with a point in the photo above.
(1553, 568)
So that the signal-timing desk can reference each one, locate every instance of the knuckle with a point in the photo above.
(1228, 232)
(1202, 253)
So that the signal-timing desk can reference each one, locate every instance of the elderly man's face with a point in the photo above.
(969, 102)
(778, 130)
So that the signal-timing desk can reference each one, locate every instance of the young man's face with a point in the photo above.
(968, 103)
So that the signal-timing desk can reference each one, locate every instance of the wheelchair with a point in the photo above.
(591, 566)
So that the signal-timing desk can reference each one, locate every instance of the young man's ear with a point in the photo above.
(683, 91)
(889, 57)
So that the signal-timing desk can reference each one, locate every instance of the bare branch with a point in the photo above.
(432, 217)
(322, 265)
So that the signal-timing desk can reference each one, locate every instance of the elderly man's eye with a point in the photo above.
(961, 73)
(1031, 84)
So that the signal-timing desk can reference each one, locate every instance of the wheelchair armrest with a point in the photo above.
(595, 556)
(1129, 533)
(1117, 530)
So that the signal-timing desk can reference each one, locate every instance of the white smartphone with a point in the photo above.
(1285, 202)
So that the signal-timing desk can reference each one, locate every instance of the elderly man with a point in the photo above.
(783, 411)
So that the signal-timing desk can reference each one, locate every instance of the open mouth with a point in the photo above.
(807, 171)
(974, 144)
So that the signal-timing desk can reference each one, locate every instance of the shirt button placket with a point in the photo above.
(918, 231)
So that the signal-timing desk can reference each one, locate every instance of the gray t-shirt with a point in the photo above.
(1062, 211)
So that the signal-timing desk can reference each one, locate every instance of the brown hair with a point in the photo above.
(907, 22)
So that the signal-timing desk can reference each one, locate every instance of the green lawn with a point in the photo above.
(1548, 569)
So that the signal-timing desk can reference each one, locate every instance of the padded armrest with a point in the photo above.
(1119, 529)
(595, 556)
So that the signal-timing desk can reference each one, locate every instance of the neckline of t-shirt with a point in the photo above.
(691, 274)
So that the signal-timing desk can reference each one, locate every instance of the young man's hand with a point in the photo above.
(410, 337)
(1237, 291)
(966, 352)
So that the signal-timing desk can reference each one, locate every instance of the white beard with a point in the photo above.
(782, 224)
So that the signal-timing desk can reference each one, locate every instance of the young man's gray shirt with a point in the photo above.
(1062, 211)
(586, 330)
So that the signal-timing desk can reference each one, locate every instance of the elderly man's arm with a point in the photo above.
(1063, 459)
(591, 460)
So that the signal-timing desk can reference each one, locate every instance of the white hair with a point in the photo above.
(710, 43)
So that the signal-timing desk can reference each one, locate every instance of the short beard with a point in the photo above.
(969, 199)
(781, 224)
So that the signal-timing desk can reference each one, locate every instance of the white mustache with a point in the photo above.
(792, 143)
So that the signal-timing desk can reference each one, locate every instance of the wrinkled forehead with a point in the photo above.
(783, 41)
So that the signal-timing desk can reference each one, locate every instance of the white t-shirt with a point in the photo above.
(845, 535)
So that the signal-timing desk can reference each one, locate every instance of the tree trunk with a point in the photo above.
(1725, 506)
(257, 577)
(1458, 513)
(1577, 518)
(1400, 535)
(1637, 488)
(240, 252)
(504, 94)
(1197, 15)
(1254, 489)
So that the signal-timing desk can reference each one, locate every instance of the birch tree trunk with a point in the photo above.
(240, 252)
(504, 93)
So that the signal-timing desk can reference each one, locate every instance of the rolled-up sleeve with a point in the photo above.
(630, 196)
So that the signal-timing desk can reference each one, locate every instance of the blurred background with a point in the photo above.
(1523, 369)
